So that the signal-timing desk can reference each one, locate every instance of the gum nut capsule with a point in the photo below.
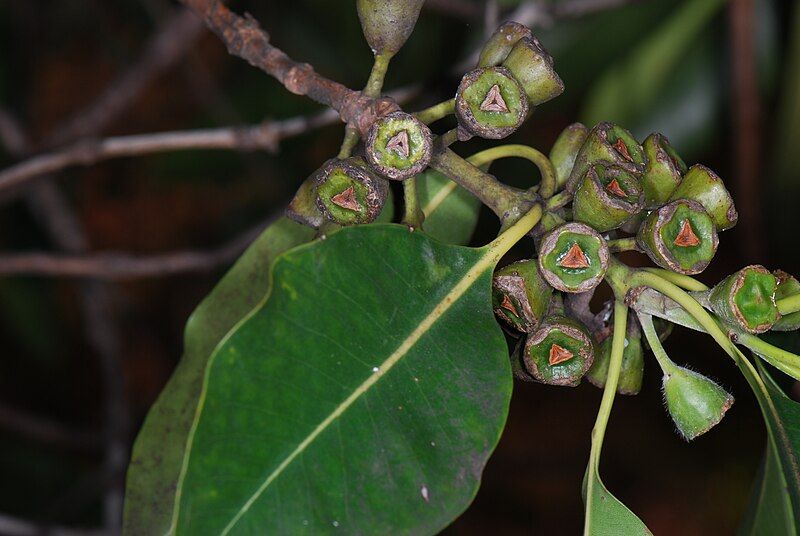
(573, 257)
(631, 371)
(496, 49)
(398, 146)
(680, 236)
(695, 403)
(565, 149)
(611, 143)
(303, 207)
(532, 66)
(559, 351)
(663, 171)
(607, 197)
(787, 286)
(348, 192)
(388, 23)
(490, 103)
(520, 295)
(746, 299)
(704, 186)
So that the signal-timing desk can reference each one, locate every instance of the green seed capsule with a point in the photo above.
(607, 197)
(348, 192)
(520, 295)
(746, 299)
(398, 146)
(611, 143)
(388, 23)
(787, 286)
(632, 370)
(680, 236)
(565, 149)
(695, 403)
(490, 103)
(532, 66)
(501, 42)
(663, 170)
(559, 352)
(573, 257)
(704, 186)
(303, 207)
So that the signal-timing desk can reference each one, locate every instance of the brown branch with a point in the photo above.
(244, 38)
(115, 266)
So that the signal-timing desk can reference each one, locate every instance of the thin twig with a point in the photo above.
(13, 526)
(117, 266)
(46, 431)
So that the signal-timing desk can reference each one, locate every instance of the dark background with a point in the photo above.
(74, 380)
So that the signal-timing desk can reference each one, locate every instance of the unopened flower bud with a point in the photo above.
(680, 236)
(704, 186)
(520, 295)
(573, 257)
(664, 169)
(388, 23)
(398, 146)
(611, 143)
(496, 49)
(559, 352)
(490, 103)
(746, 299)
(348, 192)
(532, 66)
(607, 197)
(695, 403)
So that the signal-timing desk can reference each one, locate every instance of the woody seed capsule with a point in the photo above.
(704, 186)
(501, 42)
(520, 295)
(610, 143)
(559, 351)
(663, 170)
(532, 66)
(398, 146)
(746, 299)
(348, 192)
(490, 103)
(787, 286)
(573, 257)
(607, 197)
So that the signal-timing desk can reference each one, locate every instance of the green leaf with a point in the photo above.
(160, 447)
(451, 212)
(364, 395)
(775, 504)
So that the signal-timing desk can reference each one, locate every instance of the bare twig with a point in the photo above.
(12, 526)
(115, 266)
(46, 431)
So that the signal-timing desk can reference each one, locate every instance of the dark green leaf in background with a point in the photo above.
(159, 449)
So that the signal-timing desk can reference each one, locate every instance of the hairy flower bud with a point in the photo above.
(490, 103)
(520, 295)
(398, 146)
(695, 403)
(573, 257)
(787, 286)
(746, 299)
(664, 169)
(680, 236)
(532, 66)
(496, 49)
(565, 149)
(559, 352)
(704, 186)
(607, 197)
(610, 143)
(348, 192)
(388, 23)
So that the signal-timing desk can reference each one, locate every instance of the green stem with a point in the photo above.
(684, 281)
(623, 244)
(559, 200)
(789, 304)
(413, 212)
(436, 112)
(508, 203)
(654, 342)
(540, 160)
(351, 137)
(610, 389)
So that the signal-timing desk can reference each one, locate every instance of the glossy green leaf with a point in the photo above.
(363, 396)
(775, 504)
(451, 212)
(159, 449)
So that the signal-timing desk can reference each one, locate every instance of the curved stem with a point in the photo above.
(684, 281)
(373, 90)
(623, 244)
(436, 112)
(514, 233)
(548, 183)
(559, 200)
(789, 304)
(413, 212)
(654, 342)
